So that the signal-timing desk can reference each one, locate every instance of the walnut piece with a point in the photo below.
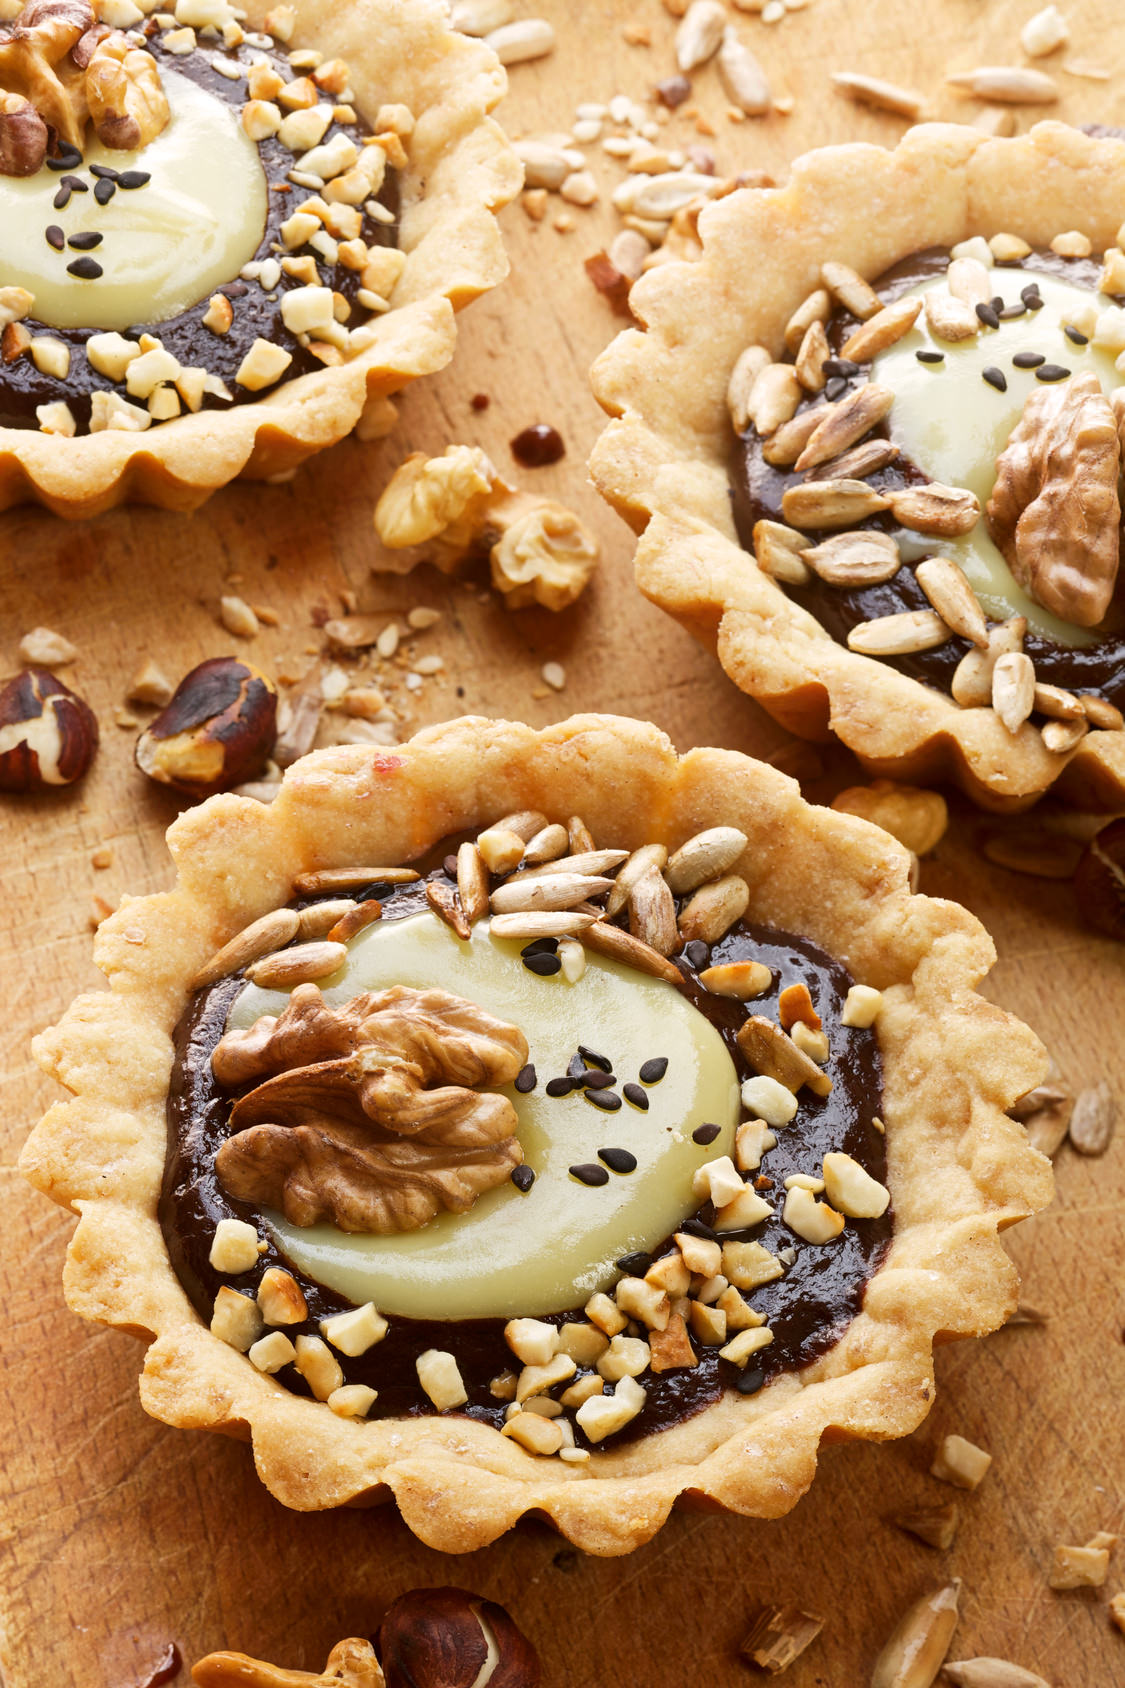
(351, 1664)
(23, 136)
(1054, 510)
(35, 62)
(128, 106)
(427, 495)
(545, 554)
(346, 1126)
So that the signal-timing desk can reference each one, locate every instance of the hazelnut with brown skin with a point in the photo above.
(48, 735)
(217, 732)
(448, 1638)
(1099, 881)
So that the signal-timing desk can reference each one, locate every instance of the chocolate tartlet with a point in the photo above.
(570, 1170)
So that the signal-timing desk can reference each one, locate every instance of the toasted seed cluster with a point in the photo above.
(815, 416)
(550, 883)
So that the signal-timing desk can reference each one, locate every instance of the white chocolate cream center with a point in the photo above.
(954, 425)
(553, 1247)
(167, 244)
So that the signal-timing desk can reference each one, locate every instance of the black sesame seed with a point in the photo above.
(618, 1160)
(930, 357)
(696, 1228)
(1076, 336)
(523, 1178)
(1028, 360)
(55, 237)
(697, 953)
(575, 1067)
(104, 192)
(541, 946)
(1051, 372)
(87, 241)
(840, 366)
(653, 1071)
(75, 184)
(989, 315)
(593, 1059)
(105, 171)
(68, 158)
(559, 1086)
(587, 1173)
(85, 269)
(592, 1078)
(705, 1133)
(635, 1264)
(607, 1100)
(995, 378)
(62, 198)
(1011, 312)
(526, 1080)
(545, 965)
(134, 179)
(1033, 301)
(750, 1381)
(996, 302)
(1031, 291)
(635, 1094)
(835, 387)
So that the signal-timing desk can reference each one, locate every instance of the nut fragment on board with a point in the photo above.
(919, 1642)
(1093, 1119)
(778, 1635)
(960, 1462)
(883, 96)
(44, 648)
(1044, 1114)
(1082, 1567)
(992, 1673)
(935, 1525)
(1007, 85)
(1044, 33)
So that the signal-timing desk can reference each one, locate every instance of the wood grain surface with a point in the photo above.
(121, 1535)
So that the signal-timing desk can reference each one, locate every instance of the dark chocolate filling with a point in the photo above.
(757, 489)
(256, 313)
(807, 1309)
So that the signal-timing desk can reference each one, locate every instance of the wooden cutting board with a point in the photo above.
(121, 1535)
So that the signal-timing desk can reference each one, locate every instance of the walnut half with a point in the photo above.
(1054, 511)
(368, 1115)
(128, 106)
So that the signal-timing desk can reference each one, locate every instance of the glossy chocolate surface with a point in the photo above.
(807, 1309)
(757, 490)
(256, 313)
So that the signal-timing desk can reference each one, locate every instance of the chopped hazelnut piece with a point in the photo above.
(318, 1366)
(795, 1006)
(582, 1390)
(235, 1246)
(603, 1313)
(536, 1380)
(639, 1300)
(708, 1324)
(671, 1348)
(236, 1319)
(1082, 1567)
(532, 1341)
(626, 1356)
(354, 1332)
(739, 979)
(272, 1352)
(536, 1434)
(263, 364)
(717, 1181)
(748, 1265)
(779, 1635)
(960, 1462)
(813, 1220)
(700, 1254)
(739, 1349)
(852, 1190)
(280, 1298)
(603, 1415)
(584, 1343)
(219, 315)
(353, 1400)
(861, 1006)
(670, 1273)
(747, 1208)
(752, 1140)
(935, 1525)
(736, 1312)
(768, 1100)
(440, 1377)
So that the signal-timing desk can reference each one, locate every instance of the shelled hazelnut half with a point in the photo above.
(448, 1638)
(217, 731)
(48, 735)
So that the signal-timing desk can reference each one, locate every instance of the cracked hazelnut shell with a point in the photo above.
(48, 735)
(444, 1637)
(1099, 881)
(217, 731)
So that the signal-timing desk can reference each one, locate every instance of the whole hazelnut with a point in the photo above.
(217, 731)
(448, 1638)
(1099, 881)
(48, 735)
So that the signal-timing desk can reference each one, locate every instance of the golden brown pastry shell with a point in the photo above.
(960, 1170)
(460, 173)
(663, 461)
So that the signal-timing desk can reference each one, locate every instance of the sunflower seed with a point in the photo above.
(356, 919)
(713, 910)
(740, 387)
(649, 855)
(344, 878)
(1061, 737)
(946, 586)
(742, 76)
(884, 96)
(526, 38)
(446, 904)
(811, 357)
(319, 918)
(882, 330)
(972, 678)
(992, 1673)
(862, 558)
(700, 35)
(1058, 704)
(830, 504)
(776, 395)
(472, 882)
(621, 946)
(556, 924)
(739, 979)
(779, 552)
(579, 839)
(864, 459)
(783, 448)
(1044, 1114)
(849, 288)
(1094, 1120)
(590, 861)
(481, 17)
(912, 1657)
(260, 938)
(547, 844)
(1007, 84)
(899, 635)
(652, 913)
(816, 308)
(553, 891)
(933, 508)
(704, 856)
(1101, 713)
(297, 966)
(1013, 689)
(846, 423)
(525, 823)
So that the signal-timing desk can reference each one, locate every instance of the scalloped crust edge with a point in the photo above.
(461, 172)
(663, 461)
(959, 1169)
